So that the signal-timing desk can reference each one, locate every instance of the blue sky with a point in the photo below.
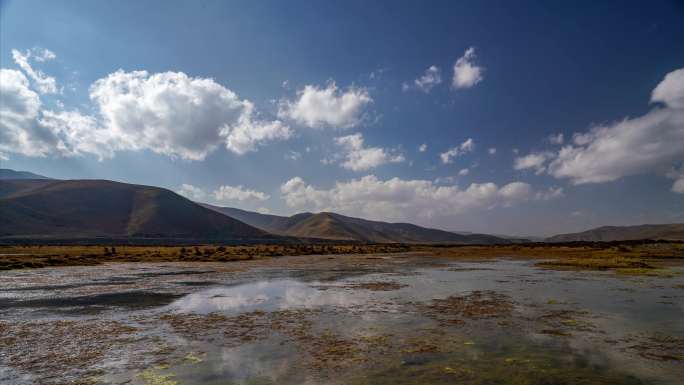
(307, 106)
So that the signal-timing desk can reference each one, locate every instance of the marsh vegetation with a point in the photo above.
(499, 315)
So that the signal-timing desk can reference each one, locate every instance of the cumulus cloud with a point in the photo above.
(399, 199)
(551, 193)
(238, 193)
(670, 90)
(318, 107)
(536, 161)
(168, 113)
(465, 147)
(191, 192)
(556, 138)
(357, 157)
(491, 151)
(651, 143)
(678, 176)
(44, 83)
(466, 72)
(423, 147)
(430, 78)
(19, 112)
(464, 172)
(173, 114)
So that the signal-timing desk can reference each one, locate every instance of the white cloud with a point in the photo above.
(491, 151)
(423, 147)
(78, 134)
(173, 114)
(358, 157)
(670, 90)
(238, 193)
(293, 155)
(191, 192)
(45, 84)
(43, 55)
(168, 113)
(19, 110)
(326, 107)
(466, 72)
(464, 172)
(550, 193)
(652, 143)
(678, 176)
(399, 199)
(678, 186)
(556, 138)
(536, 161)
(465, 147)
(429, 79)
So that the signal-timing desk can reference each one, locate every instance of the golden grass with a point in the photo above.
(625, 259)
(20, 257)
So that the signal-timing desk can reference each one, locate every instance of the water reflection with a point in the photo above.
(266, 296)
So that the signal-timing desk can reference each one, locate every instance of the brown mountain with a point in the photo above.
(673, 231)
(88, 208)
(6, 173)
(339, 227)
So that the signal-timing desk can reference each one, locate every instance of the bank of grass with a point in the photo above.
(37, 256)
(624, 258)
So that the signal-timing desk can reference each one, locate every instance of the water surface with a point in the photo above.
(394, 320)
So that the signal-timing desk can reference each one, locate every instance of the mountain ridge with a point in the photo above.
(7, 173)
(328, 225)
(96, 208)
(668, 231)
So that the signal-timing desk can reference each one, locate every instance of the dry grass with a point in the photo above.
(21, 257)
(629, 258)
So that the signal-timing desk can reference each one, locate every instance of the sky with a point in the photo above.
(524, 118)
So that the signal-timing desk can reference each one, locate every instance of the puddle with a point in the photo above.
(389, 320)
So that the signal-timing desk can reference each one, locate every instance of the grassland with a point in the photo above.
(628, 258)
(21, 257)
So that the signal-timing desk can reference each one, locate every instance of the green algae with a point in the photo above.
(153, 376)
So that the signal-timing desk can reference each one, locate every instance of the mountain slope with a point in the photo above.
(673, 231)
(14, 186)
(6, 173)
(275, 224)
(84, 208)
(339, 227)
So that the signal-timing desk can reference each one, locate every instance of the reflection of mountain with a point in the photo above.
(339, 227)
(673, 231)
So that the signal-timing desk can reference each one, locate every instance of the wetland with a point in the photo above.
(424, 316)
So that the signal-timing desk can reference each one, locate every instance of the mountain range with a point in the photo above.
(100, 208)
(671, 232)
(327, 225)
(6, 173)
(37, 207)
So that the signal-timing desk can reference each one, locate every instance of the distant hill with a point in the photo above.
(101, 208)
(6, 173)
(673, 231)
(334, 226)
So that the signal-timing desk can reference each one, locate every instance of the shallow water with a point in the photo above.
(362, 322)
